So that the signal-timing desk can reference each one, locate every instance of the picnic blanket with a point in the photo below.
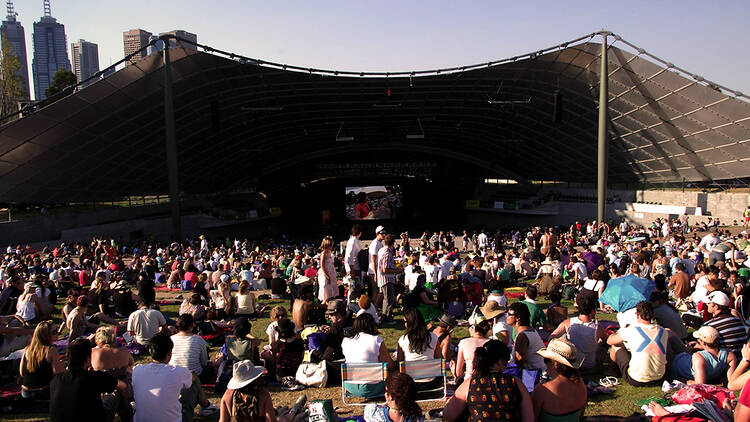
(167, 289)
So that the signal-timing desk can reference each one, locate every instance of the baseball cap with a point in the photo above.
(708, 334)
(718, 298)
(379, 229)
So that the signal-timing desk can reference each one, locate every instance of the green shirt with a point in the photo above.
(538, 318)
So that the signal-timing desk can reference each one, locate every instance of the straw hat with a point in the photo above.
(547, 262)
(476, 317)
(491, 309)
(243, 373)
(562, 351)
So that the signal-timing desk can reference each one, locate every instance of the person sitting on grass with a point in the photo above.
(443, 328)
(145, 323)
(640, 349)
(537, 318)
(39, 362)
(118, 362)
(247, 400)
(563, 398)
(400, 401)
(76, 394)
(246, 301)
(583, 331)
(288, 351)
(490, 394)
(157, 385)
(706, 364)
(527, 342)
(191, 351)
(479, 331)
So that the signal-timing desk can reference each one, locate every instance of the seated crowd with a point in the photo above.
(520, 361)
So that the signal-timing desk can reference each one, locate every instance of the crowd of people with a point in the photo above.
(330, 300)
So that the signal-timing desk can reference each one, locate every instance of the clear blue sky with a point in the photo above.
(708, 38)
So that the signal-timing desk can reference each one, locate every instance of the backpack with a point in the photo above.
(569, 291)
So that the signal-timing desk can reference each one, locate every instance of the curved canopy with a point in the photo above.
(243, 124)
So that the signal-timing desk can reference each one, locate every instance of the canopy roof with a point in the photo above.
(245, 123)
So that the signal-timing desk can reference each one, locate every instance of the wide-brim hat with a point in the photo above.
(562, 351)
(491, 309)
(477, 317)
(201, 237)
(301, 280)
(547, 262)
(243, 373)
(446, 320)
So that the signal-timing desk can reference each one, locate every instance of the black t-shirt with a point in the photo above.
(76, 395)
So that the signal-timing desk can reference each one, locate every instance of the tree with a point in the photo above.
(11, 83)
(61, 80)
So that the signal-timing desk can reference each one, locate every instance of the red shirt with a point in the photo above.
(361, 210)
(311, 272)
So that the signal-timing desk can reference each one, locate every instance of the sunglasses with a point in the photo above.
(511, 314)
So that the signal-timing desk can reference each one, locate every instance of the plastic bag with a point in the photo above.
(697, 392)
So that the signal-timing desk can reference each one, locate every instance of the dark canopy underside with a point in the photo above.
(244, 125)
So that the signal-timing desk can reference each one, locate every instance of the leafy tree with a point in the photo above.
(11, 83)
(61, 80)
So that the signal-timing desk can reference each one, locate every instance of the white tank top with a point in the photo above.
(583, 335)
(25, 309)
(363, 348)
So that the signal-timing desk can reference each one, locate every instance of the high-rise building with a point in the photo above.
(50, 51)
(12, 32)
(85, 60)
(134, 40)
(184, 35)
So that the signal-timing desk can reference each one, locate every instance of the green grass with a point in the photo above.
(621, 403)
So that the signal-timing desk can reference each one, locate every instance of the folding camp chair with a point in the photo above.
(427, 369)
(371, 372)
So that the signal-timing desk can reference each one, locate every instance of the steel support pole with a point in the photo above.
(602, 167)
(171, 139)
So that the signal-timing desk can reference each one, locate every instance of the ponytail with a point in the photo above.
(485, 357)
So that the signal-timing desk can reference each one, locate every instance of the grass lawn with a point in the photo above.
(621, 403)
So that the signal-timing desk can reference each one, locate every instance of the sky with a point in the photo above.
(707, 38)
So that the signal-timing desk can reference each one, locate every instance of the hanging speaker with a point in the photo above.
(215, 116)
(558, 106)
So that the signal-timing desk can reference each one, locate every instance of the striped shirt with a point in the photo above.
(386, 259)
(189, 352)
(732, 333)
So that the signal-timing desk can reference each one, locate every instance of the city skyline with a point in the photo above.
(50, 52)
(393, 36)
(84, 58)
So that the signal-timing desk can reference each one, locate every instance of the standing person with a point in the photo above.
(386, 277)
(373, 250)
(157, 385)
(746, 219)
(351, 264)
(329, 288)
(76, 394)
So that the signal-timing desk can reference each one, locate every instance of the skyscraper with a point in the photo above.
(134, 40)
(189, 36)
(12, 32)
(50, 51)
(85, 60)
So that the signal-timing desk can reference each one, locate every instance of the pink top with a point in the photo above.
(468, 346)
